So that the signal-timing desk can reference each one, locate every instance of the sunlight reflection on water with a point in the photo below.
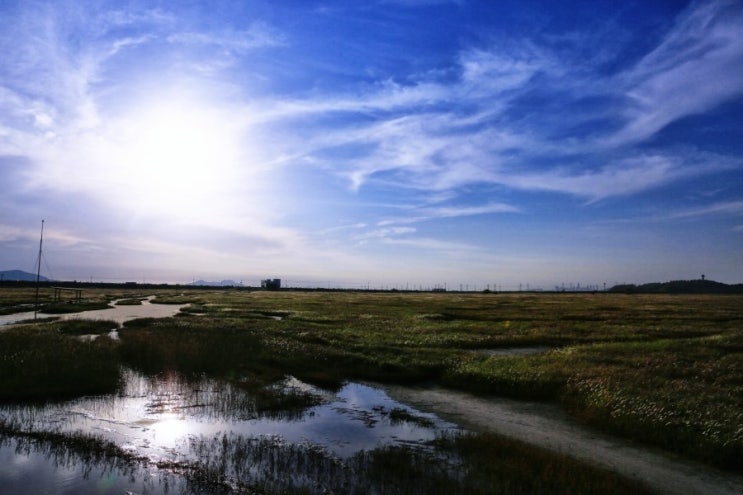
(164, 418)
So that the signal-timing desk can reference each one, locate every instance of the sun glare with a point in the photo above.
(178, 157)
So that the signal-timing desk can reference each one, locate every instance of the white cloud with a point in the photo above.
(487, 73)
(385, 233)
(426, 145)
(623, 176)
(698, 66)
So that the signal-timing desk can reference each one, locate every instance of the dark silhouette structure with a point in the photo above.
(271, 284)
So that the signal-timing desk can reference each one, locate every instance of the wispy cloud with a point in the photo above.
(257, 35)
(453, 248)
(698, 66)
(718, 208)
(623, 176)
(418, 139)
(423, 214)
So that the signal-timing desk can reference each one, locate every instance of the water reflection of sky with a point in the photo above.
(357, 419)
(36, 470)
(156, 417)
(119, 314)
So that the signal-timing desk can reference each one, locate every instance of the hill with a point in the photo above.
(699, 286)
(20, 275)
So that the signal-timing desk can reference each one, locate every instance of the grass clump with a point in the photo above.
(188, 345)
(56, 308)
(86, 327)
(38, 362)
(134, 301)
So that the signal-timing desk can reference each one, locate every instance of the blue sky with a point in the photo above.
(387, 143)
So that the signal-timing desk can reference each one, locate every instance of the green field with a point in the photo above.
(665, 370)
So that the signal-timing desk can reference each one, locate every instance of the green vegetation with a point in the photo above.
(39, 362)
(56, 308)
(134, 301)
(684, 394)
(664, 369)
(85, 327)
(661, 369)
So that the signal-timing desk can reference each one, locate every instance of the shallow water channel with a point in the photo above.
(173, 424)
(119, 314)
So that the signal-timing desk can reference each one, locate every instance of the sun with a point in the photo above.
(177, 157)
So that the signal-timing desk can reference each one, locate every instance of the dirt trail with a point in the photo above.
(547, 426)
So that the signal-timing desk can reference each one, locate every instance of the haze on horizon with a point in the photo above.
(388, 142)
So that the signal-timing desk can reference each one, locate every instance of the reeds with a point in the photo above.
(472, 464)
(37, 361)
(85, 327)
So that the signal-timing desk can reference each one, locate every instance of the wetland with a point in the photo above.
(237, 391)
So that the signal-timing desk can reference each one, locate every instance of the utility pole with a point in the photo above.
(38, 267)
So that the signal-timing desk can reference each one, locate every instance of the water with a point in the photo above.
(36, 469)
(172, 423)
(119, 314)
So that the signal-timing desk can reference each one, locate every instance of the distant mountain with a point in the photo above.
(20, 275)
(680, 287)
(223, 283)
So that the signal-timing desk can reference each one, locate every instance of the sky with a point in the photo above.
(384, 144)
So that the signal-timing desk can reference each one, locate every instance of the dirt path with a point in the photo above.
(547, 426)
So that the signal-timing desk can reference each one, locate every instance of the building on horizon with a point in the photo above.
(271, 284)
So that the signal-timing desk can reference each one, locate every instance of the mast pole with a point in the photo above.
(38, 268)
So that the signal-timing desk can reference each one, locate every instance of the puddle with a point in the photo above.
(32, 468)
(155, 416)
(169, 420)
(16, 317)
(119, 314)
(513, 351)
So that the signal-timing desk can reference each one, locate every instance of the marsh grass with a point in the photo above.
(85, 327)
(497, 464)
(20, 299)
(661, 369)
(56, 308)
(129, 302)
(94, 456)
(658, 368)
(188, 345)
(683, 394)
(472, 464)
(38, 362)
(68, 448)
(170, 298)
